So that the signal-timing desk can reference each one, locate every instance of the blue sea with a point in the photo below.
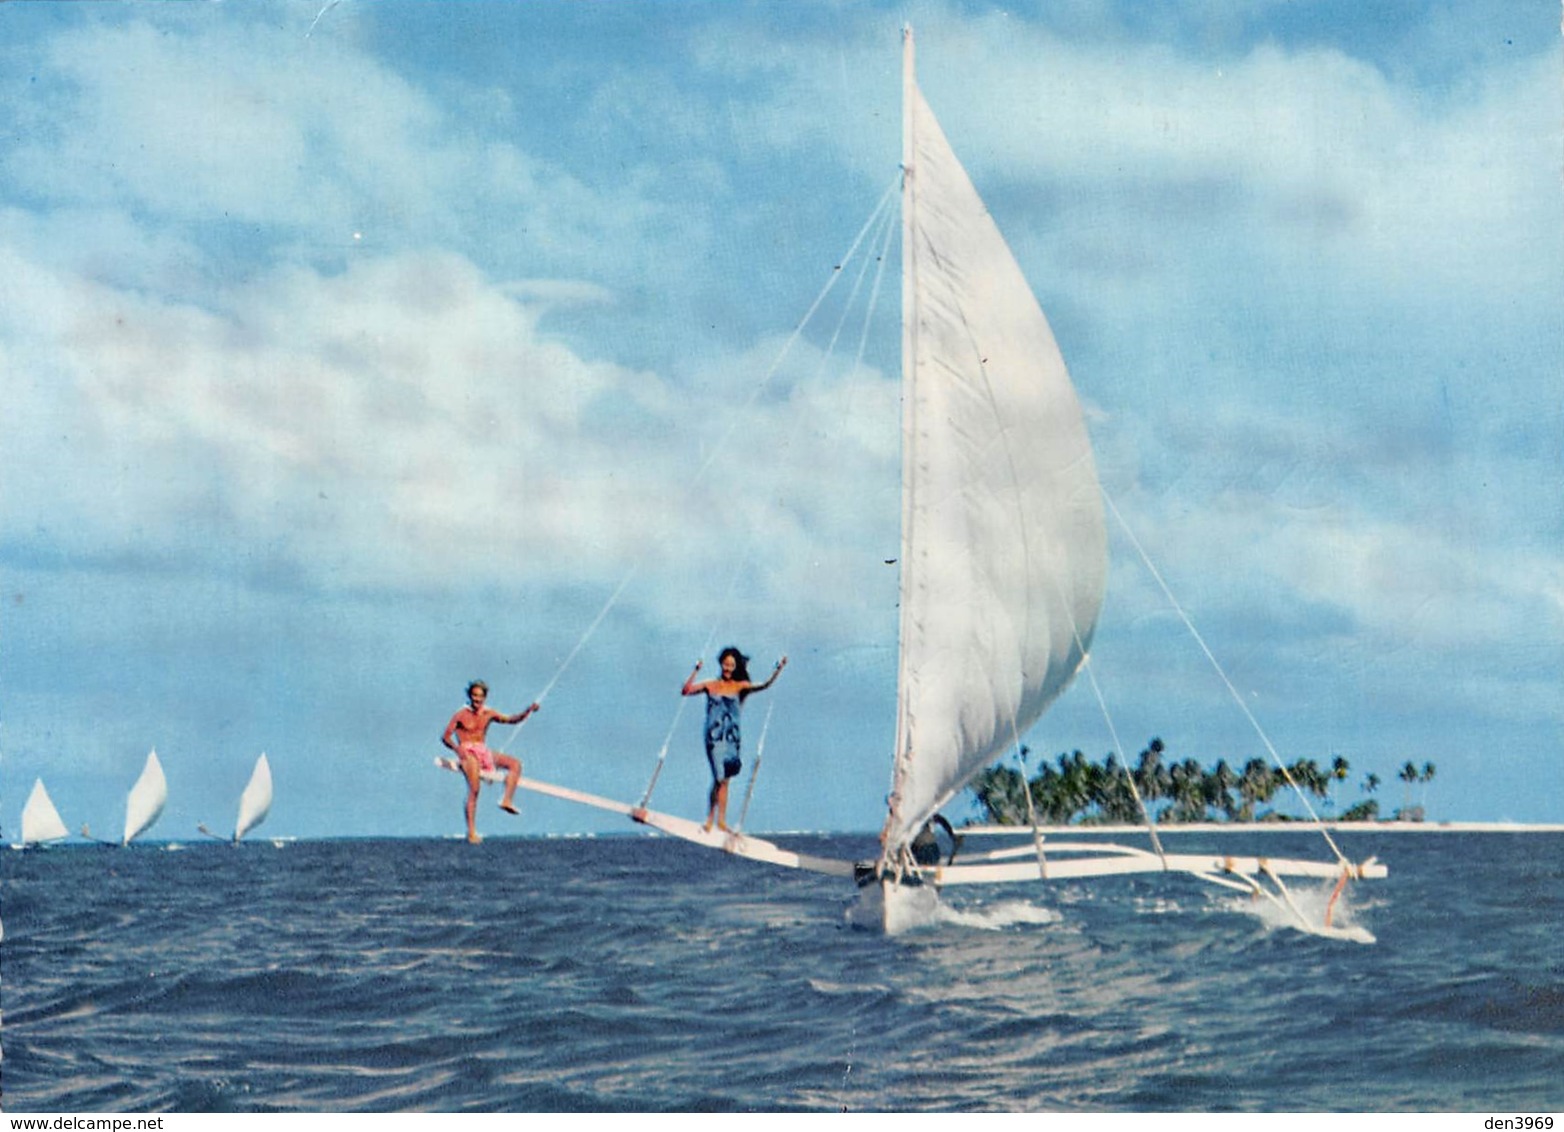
(642, 974)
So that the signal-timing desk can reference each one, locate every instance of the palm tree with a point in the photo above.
(998, 790)
(1256, 784)
(1408, 776)
(1151, 777)
(1219, 789)
(1187, 786)
(1115, 799)
(1366, 810)
(1425, 777)
(1338, 773)
(1309, 778)
(1062, 794)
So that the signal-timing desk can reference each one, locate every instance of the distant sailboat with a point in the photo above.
(256, 801)
(146, 801)
(1003, 562)
(41, 822)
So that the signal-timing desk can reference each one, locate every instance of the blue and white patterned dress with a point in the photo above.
(722, 736)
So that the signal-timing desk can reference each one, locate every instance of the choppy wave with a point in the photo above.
(643, 975)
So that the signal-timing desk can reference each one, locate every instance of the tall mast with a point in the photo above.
(909, 322)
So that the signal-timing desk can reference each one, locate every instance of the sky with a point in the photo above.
(351, 352)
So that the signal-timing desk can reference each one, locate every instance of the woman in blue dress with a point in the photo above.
(724, 697)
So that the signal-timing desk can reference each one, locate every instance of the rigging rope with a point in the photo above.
(1129, 777)
(706, 465)
(1031, 811)
(560, 671)
(678, 714)
(1232, 690)
(798, 330)
(879, 247)
(760, 753)
(875, 220)
(1107, 716)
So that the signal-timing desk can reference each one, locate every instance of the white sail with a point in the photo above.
(1004, 551)
(256, 800)
(147, 798)
(41, 822)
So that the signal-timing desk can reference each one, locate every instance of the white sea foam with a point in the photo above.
(1313, 902)
(914, 909)
(996, 917)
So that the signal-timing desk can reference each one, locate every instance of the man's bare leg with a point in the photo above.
(512, 769)
(470, 769)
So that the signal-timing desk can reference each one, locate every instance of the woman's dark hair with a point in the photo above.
(740, 663)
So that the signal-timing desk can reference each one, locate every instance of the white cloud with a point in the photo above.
(1318, 158)
(245, 124)
(406, 421)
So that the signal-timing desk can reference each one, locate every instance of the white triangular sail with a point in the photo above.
(41, 822)
(256, 801)
(146, 801)
(1004, 550)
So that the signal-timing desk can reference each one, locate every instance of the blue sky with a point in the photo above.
(351, 352)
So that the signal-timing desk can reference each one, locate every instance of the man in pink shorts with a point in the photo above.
(465, 735)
